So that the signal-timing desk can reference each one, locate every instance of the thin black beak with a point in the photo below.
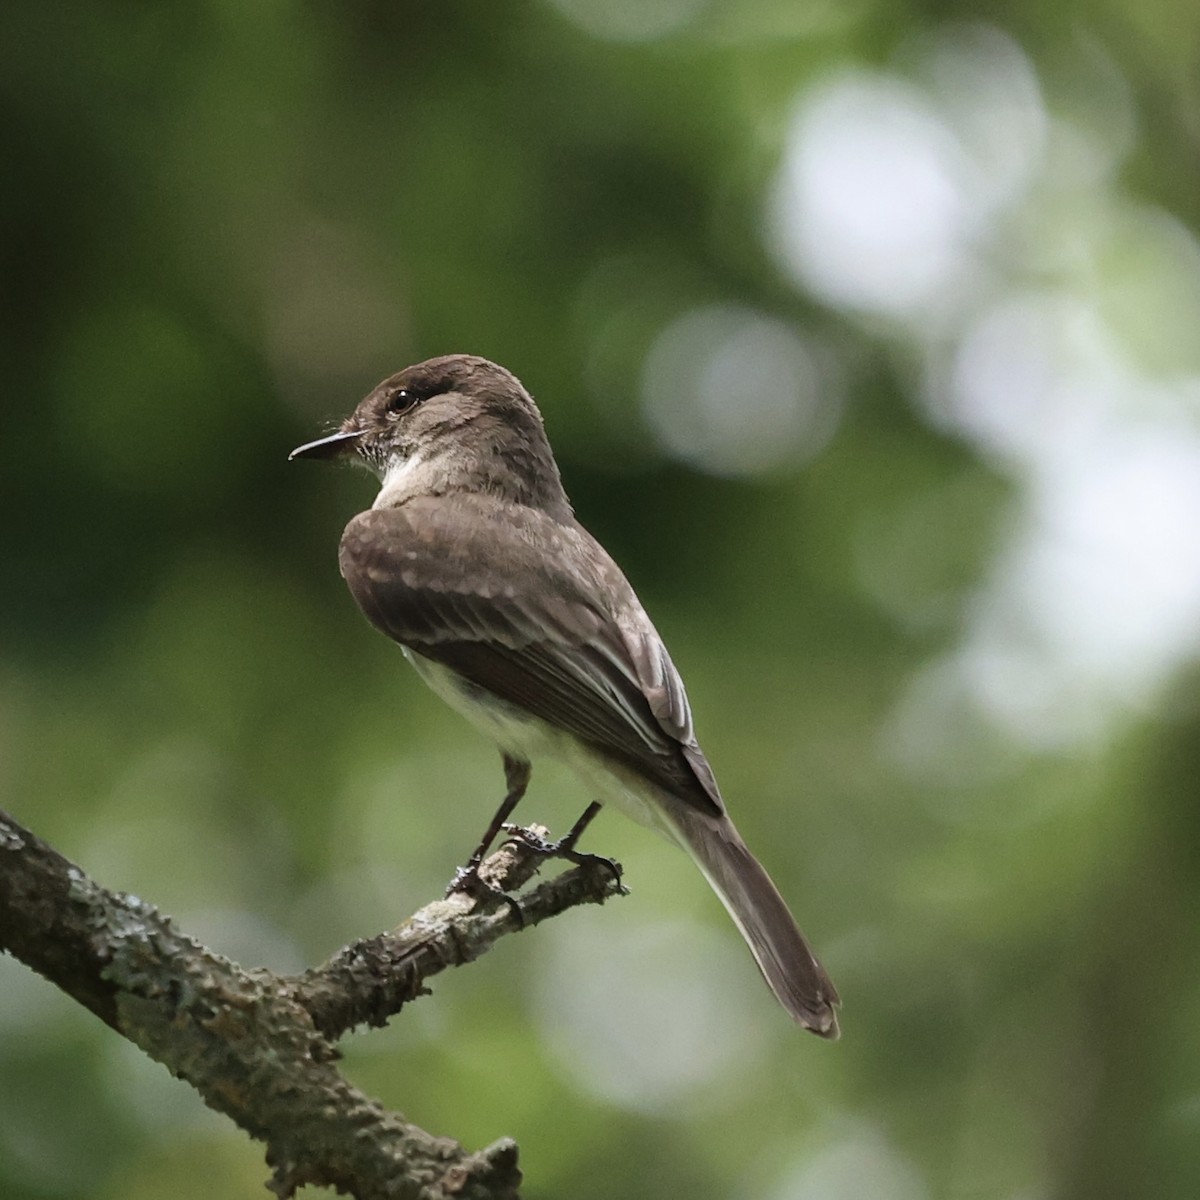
(327, 447)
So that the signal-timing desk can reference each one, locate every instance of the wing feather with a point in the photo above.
(467, 583)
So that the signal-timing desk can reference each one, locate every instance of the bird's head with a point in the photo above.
(467, 422)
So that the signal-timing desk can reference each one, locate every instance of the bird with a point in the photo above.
(472, 560)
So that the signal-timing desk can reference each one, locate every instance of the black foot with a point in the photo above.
(468, 880)
(563, 848)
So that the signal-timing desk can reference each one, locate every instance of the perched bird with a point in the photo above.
(472, 560)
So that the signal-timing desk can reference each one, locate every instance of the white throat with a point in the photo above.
(403, 479)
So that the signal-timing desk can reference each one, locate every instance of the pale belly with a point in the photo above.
(529, 738)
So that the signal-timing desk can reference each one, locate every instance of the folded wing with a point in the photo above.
(538, 615)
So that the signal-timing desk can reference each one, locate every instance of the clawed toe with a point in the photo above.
(468, 881)
(564, 848)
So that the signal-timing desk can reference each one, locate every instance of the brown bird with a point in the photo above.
(472, 560)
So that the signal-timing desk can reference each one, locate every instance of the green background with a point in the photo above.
(866, 338)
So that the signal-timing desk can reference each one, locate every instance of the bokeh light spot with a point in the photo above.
(858, 1165)
(643, 1017)
(870, 208)
(734, 392)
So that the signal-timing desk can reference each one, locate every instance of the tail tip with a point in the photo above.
(818, 1016)
(823, 1024)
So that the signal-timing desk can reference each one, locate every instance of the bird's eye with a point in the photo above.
(402, 401)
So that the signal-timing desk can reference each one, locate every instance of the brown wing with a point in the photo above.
(524, 607)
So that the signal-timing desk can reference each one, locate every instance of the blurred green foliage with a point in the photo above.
(223, 222)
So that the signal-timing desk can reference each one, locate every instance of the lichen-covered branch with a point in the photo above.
(259, 1046)
(371, 980)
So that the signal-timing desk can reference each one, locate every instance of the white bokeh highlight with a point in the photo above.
(870, 207)
(647, 1017)
(857, 1164)
(735, 392)
(960, 214)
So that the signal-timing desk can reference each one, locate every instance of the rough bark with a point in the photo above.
(260, 1047)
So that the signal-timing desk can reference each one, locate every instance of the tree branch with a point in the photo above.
(258, 1046)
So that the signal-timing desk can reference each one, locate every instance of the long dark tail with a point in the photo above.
(783, 955)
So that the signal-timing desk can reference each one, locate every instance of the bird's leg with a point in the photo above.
(466, 878)
(565, 846)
